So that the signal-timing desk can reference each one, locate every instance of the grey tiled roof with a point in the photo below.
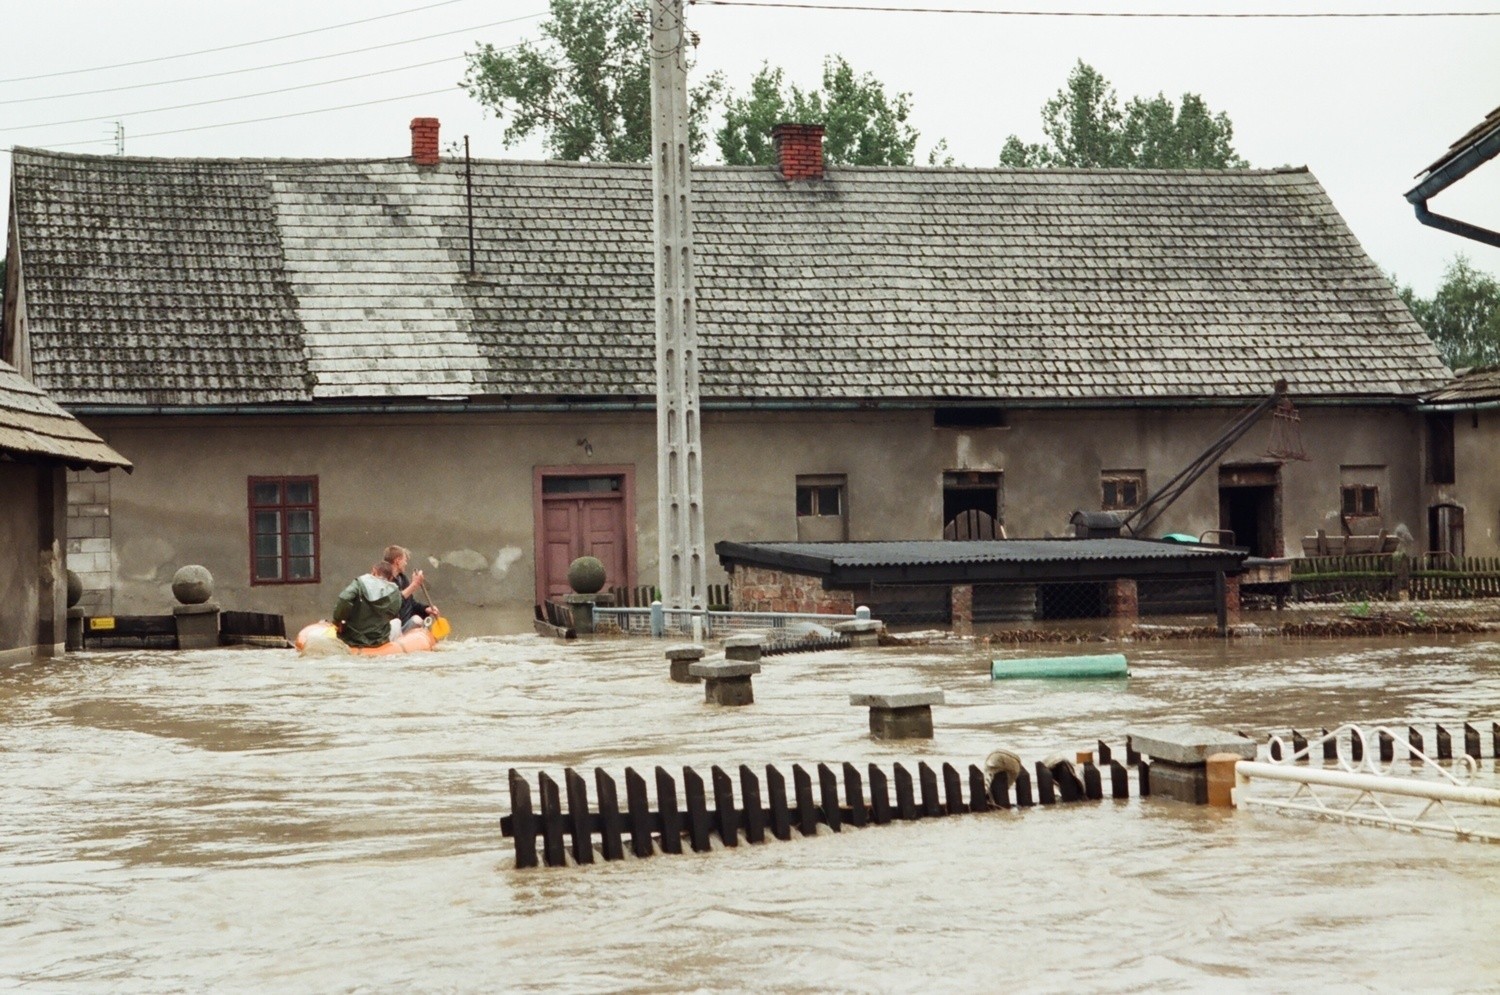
(34, 429)
(183, 281)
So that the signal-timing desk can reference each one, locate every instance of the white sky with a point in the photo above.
(1365, 103)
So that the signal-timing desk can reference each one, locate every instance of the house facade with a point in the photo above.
(308, 360)
(39, 445)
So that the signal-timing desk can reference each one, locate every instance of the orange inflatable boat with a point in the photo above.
(321, 639)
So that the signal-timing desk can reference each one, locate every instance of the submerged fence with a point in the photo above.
(774, 814)
(1394, 591)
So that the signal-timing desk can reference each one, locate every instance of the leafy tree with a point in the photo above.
(1086, 127)
(1463, 317)
(863, 125)
(586, 88)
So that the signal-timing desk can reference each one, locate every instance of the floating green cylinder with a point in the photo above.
(1102, 665)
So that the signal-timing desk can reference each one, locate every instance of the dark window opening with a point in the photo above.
(1361, 501)
(978, 491)
(581, 485)
(820, 500)
(969, 418)
(283, 530)
(1122, 490)
(1440, 468)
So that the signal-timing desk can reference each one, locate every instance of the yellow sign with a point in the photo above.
(101, 624)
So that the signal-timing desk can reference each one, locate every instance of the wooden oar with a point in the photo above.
(440, 626)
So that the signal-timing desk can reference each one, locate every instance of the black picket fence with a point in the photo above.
(1440, 748)
(776, 813)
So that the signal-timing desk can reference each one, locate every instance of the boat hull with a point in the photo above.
(321, 639)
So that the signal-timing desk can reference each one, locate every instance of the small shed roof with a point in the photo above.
(33, 429)
(1479, 385)
(947, 561)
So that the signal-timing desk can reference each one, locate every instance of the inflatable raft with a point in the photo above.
(1103, 665)
(321, 639)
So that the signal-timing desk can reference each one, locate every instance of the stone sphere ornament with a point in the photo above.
(586, 575)
(75, 589)
(193, 585)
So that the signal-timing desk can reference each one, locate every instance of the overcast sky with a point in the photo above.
(1365, 103)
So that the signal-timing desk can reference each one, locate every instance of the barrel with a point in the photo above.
(1101, 665)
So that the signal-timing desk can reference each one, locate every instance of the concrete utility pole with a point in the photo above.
(679, 458)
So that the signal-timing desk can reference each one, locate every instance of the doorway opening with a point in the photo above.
(1250, 507)
(973, 504)
(1445, 530)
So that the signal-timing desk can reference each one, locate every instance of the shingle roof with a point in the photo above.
(34, 429)
(184, 281)
(1473, 386)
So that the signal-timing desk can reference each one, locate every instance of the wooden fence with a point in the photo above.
(775, 813)
(1385, 576)
(641, 597)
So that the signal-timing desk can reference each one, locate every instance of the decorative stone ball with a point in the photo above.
(193, 585)
(75, 589)
(586, 575)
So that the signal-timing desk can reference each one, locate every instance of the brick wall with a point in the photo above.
(761, 589)
(90, 553)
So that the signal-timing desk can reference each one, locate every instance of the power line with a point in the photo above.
(226, 48)
(261, 120)
(273, 65)
(1183, 15)
(223, 100)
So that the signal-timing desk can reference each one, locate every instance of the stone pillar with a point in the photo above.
(900, 715)
(680, 659)
(1231, 599)
(197, 626)
(863, 632)
(583, 610)
(961, 608)
(746, 649)
(726, 682)
(1122, 602)
(1179, 758)
(75, 629)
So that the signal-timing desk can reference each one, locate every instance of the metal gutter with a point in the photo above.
(1449, 173)
(489, 407)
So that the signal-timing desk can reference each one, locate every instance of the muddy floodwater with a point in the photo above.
(245, 820)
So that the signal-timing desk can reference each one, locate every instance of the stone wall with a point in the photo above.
(761, 589)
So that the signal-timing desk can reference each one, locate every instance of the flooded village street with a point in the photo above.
(248, 820)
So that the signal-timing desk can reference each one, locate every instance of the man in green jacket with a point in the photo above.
(365, 608)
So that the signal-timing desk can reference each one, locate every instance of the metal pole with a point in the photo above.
(679, 469)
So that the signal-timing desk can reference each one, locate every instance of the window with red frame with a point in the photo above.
(283, 530)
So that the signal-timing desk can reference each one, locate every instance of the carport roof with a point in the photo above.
(945, 561)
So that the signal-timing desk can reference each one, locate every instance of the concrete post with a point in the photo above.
(197, 626)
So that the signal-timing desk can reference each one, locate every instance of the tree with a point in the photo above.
(1086, 127)
(863, 126)
(1463, 317)
(587, 88)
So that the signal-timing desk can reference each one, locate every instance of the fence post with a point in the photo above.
(658, 620)
(1402, 565)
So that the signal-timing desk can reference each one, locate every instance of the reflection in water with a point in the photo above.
(247, 820)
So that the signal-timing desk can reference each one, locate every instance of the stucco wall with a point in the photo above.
(458, 490)
(33, 591)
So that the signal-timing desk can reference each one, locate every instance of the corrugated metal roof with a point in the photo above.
(33, 428)
(189, 281)
(947, 561)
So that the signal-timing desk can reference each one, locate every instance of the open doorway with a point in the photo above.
(973, 504)
(1445, 531)
(1250, 507)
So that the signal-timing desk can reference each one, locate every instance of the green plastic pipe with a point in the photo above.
(1103, 665)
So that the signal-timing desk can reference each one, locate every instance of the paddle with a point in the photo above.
(440, 627)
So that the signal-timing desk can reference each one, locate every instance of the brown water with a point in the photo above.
(252, 821)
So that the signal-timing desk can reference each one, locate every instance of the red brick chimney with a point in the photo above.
(424, 141)
(799, 150)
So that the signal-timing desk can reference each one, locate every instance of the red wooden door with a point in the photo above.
(582, 514)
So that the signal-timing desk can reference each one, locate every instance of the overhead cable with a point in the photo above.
(1172, 15)
(226, 48)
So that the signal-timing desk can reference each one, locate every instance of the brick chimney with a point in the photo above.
(799, 150)
(424, 141)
